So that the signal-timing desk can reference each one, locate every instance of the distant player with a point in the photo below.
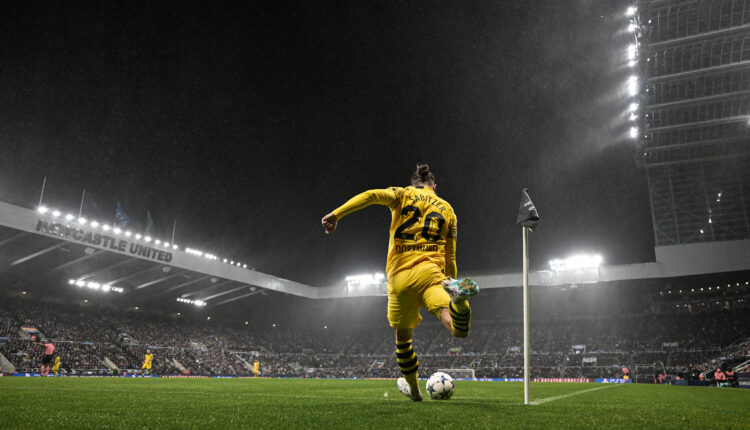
(56, 366)
(256, 368)
(49, 350)
(420, 266)
(147, 363)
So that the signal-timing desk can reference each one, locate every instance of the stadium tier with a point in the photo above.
(578, 342)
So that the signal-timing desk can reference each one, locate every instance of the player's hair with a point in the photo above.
(423, 175)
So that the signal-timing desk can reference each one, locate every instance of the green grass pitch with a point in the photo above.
(161, 403)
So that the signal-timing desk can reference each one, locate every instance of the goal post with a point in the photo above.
(465, 374)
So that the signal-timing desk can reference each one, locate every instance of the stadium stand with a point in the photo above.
(110, 341)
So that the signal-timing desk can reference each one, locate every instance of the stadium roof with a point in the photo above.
(56, 251)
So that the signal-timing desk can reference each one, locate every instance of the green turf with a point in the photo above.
(53, 403)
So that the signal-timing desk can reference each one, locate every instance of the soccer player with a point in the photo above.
(421, 265)
(256, 368)
(147, 363)
(56, 366)
(49, 349)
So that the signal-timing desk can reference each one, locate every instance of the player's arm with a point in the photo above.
(451, 268)
(386, 197)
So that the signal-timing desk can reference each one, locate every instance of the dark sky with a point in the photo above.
(248, 123)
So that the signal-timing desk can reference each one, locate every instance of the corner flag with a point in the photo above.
(123, 220)
(527, 213)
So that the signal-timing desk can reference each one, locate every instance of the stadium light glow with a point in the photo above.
(199, 303)
(633, 107)
(633, 116)
(365, 279)
(128, 234)
(632, 51)
(94, 224)
(81, 283)
(147, 238)
(633, 85)
(55, 213)
(69, 217)
(93, 285)
(631, 27)
(105, 227)
(82, 221)
(157, 242)
(71, 281)
(43, 209)
(174, 246)
(138, 236)
(581, 261)
(633, 132)
(117, 230)
(631, 11)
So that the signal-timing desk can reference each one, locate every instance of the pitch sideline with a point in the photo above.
(564, 396)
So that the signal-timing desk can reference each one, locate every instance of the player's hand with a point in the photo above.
(329, 223)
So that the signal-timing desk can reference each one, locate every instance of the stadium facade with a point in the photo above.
(694, 116)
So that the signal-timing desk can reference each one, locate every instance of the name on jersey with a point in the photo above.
(101, 240)
(437, 204)
(400, 249)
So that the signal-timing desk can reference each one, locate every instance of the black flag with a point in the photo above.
(527, 214)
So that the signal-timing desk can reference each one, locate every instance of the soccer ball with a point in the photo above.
(440, 386)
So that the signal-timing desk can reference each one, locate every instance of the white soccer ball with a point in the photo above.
(440, 386)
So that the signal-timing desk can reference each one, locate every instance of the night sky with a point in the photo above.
(247, 123)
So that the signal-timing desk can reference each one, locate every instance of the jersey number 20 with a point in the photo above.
(401, 233)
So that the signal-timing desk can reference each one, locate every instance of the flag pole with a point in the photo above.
(41, 196)
(174, 227)
(526, 342)
(528, 218)
(80, 209)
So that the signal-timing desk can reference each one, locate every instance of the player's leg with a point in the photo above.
(448, 301)
(403, 316)
(408, 362)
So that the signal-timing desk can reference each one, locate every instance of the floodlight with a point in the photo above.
(117, 230)
(576, 262)
(631, 53)
(43, 209)
(81, 283)
(105, 227)
(633, 132)
(631, 11)
(128, 234)
(632, 63)
(147, 238)
(138, 236)
(633, 85)
(166, 244)
(94, 224)
(93, 285)
(633, 116)
(174, 246)
(631, 27)
(69, 217)
(633, 107)
(55, 214)
(82, 221)
(225, 260)
(71, 281)
(244, 266)
(157, 242)
(106, 287)
(199, 303)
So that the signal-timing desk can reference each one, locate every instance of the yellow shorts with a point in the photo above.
(146, 366)
(417, 287)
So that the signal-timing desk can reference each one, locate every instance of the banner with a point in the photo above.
(123, 220)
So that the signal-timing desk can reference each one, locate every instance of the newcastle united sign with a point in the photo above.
(101, 240)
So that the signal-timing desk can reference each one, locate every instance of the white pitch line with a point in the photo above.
(564, 396)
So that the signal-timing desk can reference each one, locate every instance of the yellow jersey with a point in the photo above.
(147, 359)
(423, 226)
